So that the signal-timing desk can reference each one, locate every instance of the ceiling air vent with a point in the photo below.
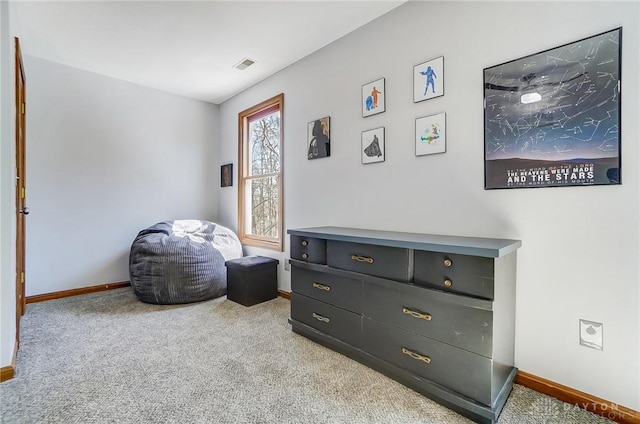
(244, 63)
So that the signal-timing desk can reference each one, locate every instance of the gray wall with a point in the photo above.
(105, 159)
(580, 245)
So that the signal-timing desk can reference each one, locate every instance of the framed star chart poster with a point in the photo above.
(553, 118)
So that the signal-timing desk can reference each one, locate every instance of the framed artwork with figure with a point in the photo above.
(428, 79)
(373, 98)
(319, 138)
(373, 145)
(226, 175)
(431, 136)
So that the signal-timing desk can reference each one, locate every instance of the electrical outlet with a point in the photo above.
(591, 334)
(287, 265)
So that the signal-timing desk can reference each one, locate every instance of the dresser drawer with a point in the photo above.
(471, 275)
(336, 322)
(382, 261)
(309, 249)
(457, 320)
(457, 369)
(339, 291)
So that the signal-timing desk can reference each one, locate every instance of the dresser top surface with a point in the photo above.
(475, 246)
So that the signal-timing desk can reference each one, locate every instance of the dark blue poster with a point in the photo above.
(553, 118)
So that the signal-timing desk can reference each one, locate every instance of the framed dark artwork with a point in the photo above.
(373, 98)
(318, 138)
(226, 175)
(373, 145)
(553, 118)
(431, 134)
(428, 79)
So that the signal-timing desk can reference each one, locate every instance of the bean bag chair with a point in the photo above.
(181, 261)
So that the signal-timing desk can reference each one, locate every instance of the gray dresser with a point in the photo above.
(436, 313)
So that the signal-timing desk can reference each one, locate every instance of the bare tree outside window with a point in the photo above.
(264, 141)
(260, 199)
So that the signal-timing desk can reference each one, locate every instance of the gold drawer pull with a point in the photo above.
(416, 314)
(320, 317)
(416, 356)
(362, 259)
(321, 287)
(448, 282)
(447, 262)
(304, 242)
(305, 256)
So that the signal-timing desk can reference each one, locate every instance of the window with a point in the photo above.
(260, 174)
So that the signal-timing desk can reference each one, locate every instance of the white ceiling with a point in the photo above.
(185, 47)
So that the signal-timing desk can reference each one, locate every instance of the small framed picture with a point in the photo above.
(226, 175)
(373, 145)
(318, 138)
(373, 98)
(431, 134)
(428, 79)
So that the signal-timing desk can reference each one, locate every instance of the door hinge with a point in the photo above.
(22, 277)
(22, 107)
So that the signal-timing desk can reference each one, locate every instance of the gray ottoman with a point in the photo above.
(252, 280)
